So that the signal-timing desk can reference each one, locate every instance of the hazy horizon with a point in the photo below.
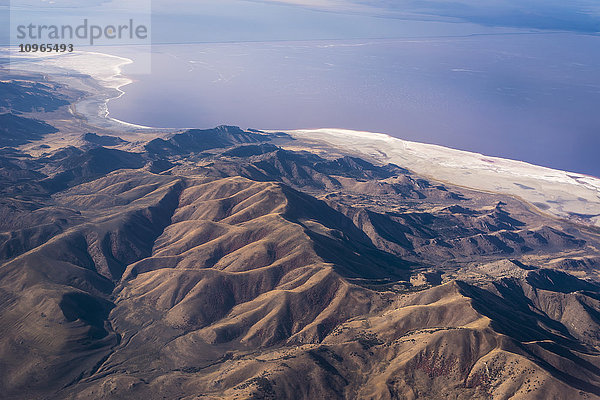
(505, 78)
(513, 99)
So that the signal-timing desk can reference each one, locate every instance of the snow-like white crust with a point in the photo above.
(563, 194)
(104, 69)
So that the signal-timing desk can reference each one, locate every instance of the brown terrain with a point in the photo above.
(237, 264)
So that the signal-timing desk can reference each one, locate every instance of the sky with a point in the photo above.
(177, 20)
(571, 15)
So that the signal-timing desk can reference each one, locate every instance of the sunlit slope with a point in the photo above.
(253, 265)
(560, 193)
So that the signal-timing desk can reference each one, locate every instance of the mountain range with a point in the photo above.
(232, 263)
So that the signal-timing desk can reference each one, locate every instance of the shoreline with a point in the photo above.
(561, 193)
(99, 75)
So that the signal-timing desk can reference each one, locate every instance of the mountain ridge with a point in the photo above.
(230, 263)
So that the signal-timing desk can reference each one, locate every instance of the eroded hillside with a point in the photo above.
(234, 264)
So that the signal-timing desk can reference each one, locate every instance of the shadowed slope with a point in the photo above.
(15, 130)
(55, 300)
(251, 271)
(436, 343)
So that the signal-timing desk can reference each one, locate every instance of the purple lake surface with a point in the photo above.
(531, 97)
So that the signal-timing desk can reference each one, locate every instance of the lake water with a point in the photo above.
(470, 75)
(530, 97)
